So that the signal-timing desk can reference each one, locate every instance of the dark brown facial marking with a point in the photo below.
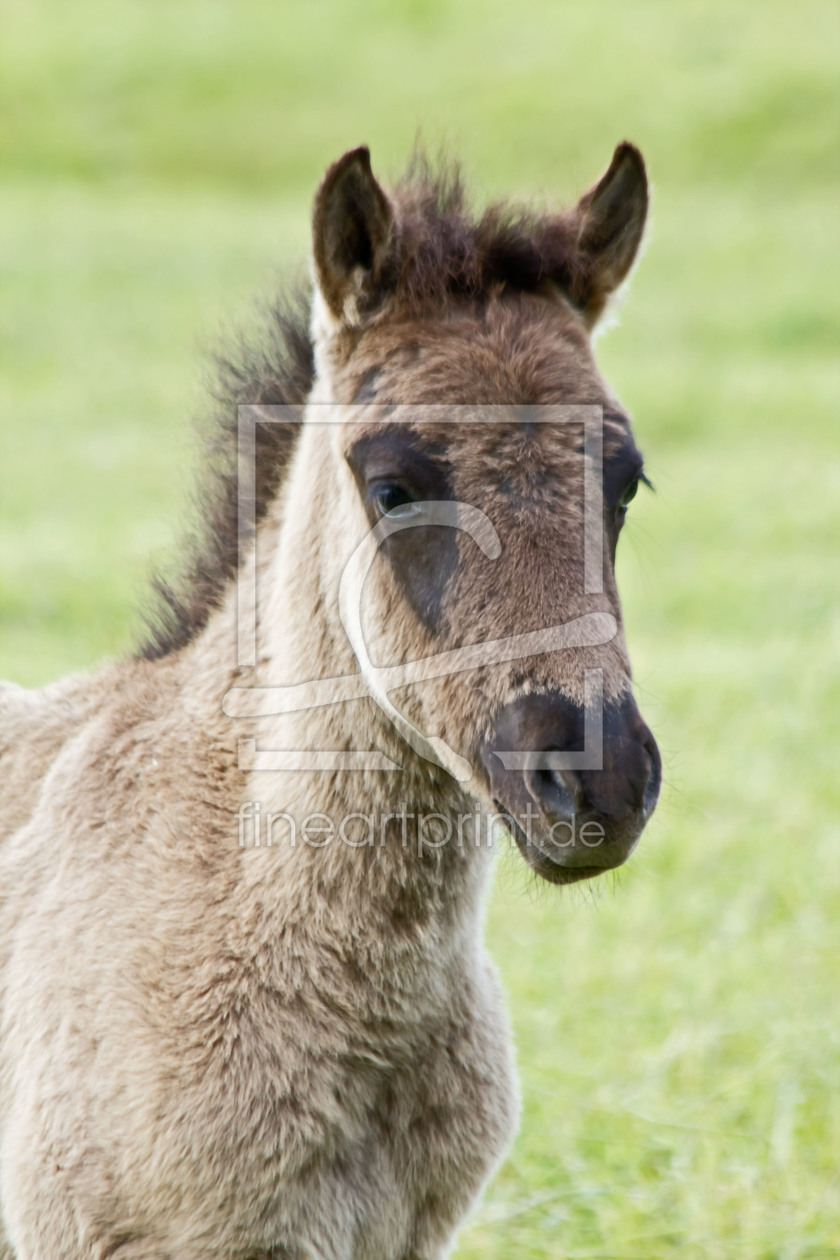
(394, 467)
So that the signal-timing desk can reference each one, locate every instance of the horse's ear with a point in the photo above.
(352, 231)
(611, 221)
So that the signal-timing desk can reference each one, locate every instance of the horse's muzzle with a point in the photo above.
(572, 823)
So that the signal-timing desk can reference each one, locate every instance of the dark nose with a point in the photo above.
(583, 807)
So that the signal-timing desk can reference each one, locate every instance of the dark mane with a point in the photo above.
(443, 254)
(276, 370)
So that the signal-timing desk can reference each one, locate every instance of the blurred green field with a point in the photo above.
(678, 1029)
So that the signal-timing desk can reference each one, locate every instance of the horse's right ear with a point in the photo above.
(352, 234)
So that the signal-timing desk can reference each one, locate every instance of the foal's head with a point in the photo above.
(455, 352)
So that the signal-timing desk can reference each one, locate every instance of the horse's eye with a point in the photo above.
(392, 498)
(629, 493)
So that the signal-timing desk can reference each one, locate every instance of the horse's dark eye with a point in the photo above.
(392, 497)
(629, 493)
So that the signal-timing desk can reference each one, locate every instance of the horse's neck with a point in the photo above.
(390, 846)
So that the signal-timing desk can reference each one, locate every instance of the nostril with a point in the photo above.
(558, 793)
(543, 781)
(564, 780)
(569, 781)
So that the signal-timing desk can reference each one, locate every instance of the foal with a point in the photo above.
(246, 1010)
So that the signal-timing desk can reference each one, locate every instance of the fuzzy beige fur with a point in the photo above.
(210, 1050)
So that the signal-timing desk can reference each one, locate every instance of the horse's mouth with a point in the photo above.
(552, 869)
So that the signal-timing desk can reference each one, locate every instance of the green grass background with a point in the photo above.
(677, 1029)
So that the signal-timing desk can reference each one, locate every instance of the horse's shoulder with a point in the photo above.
(35, 724)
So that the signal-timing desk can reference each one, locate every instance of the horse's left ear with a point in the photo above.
(352, 231)
(611, 222)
